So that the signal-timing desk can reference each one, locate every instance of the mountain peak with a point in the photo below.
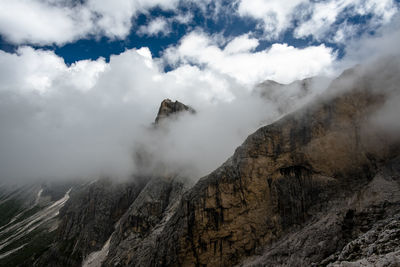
(168, 108)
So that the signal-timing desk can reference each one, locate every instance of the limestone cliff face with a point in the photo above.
(361, 229)
(278, 179)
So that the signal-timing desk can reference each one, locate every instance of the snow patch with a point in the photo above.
(39, 194)
(31, 223)
(11, 251)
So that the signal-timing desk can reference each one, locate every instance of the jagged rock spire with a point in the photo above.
(167, 108)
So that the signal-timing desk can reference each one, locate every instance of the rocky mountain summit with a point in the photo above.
(318, 187)
(169, 108)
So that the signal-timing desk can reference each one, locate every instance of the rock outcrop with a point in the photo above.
(360, 228)
(169, 108)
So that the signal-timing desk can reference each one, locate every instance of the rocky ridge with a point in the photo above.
(281, 177)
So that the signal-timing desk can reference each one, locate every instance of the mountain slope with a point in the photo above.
(280, 177)
(29, 218)
(316, 187)
(106, 217)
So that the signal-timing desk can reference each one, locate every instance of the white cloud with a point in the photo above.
(368, 48)
(325, 14)
(211, 9)
(315, 18)
(345, 32)
(183, 18)
(60, 22)
(83, 120)
(241, 44)
(39, 70)
(83, 74)
(163, 26)
(382, 10)
(116, 15)
(281, 62)
(47, 22)
(39, 22)
(158, 26)
(87, 119)
(276, 15)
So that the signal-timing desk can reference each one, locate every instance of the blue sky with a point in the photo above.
(81, 81)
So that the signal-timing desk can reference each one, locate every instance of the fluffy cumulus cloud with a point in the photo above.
(238, 59)
(241, 43)
(41, 22)
(48, 22)
(41, 71)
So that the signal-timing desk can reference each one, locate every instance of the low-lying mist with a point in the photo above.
(196, 144)
(94, 120)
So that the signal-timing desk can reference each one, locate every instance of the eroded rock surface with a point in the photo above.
(360, 228)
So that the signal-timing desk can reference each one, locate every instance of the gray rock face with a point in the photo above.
(360, 229)
(134, 241)
(380, 246)
(88, 220)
